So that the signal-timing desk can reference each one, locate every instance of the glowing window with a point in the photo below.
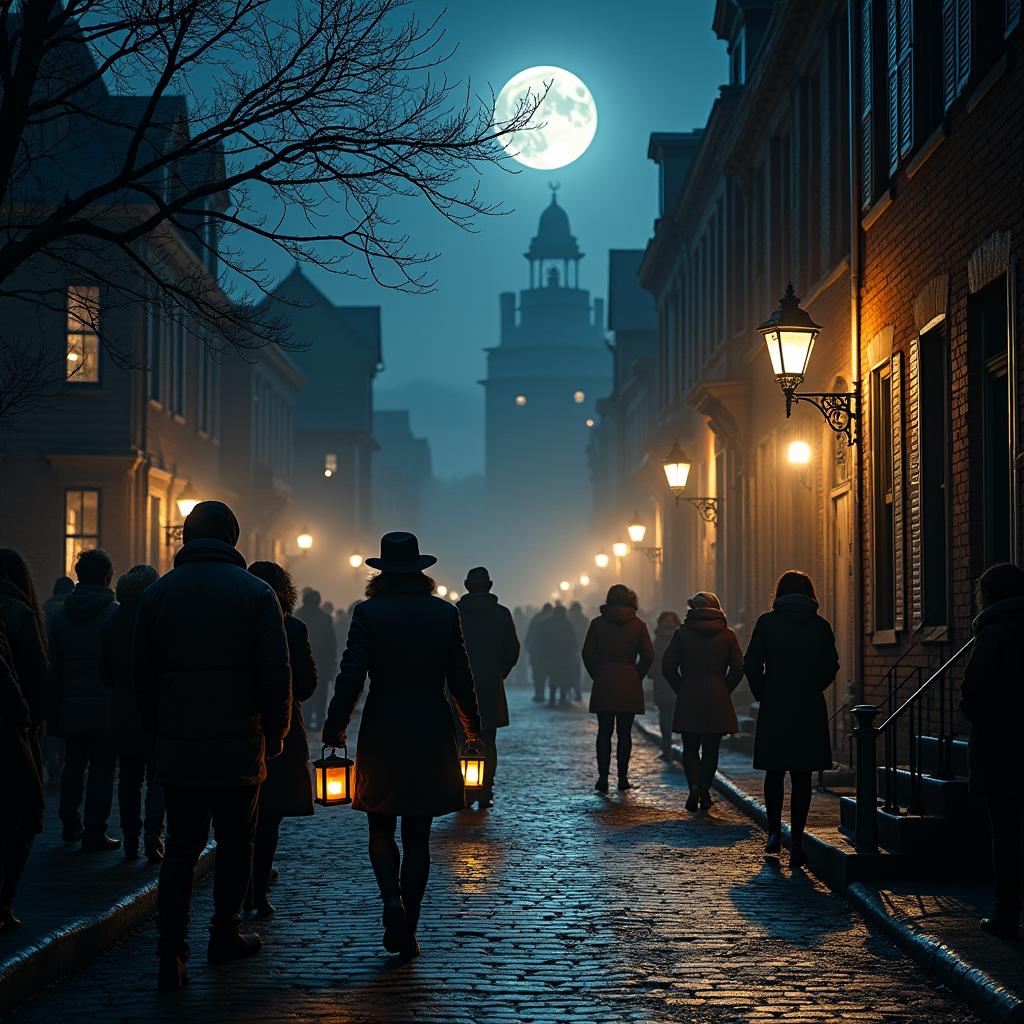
(83, 346)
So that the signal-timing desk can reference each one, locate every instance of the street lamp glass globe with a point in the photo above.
(355, 561)
(590, 423)
(601, 560)
(520, 400)
(789, 334)
(564, 586)
(579, 397)
(584, 580)
(453, 595)
(442, 591)
(677, 468)
(304, 540)
(798, 453)
(620, 549)
(636, 530)
(188, 500)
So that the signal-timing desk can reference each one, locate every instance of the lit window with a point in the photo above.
(330, 464)
(520, 400)
(81, 525)
(83, 347)
(579, 397)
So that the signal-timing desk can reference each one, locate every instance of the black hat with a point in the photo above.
(400, 552)
(479, 575)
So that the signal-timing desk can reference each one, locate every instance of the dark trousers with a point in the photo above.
(665, 716)
(268, 831)
(489, 738)
(87, 756)
(700, 758)
(620, 723)
(190, 812)
(133, 771)
(16, 840)
(402, 875)
(1006, 817)
(540, 679)
(799, 802)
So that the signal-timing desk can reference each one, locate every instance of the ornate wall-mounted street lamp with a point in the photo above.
(601, 560)
(187, 500)
(789, 334)
(637, 531)
(677, 471)
(620, 549)
(304, 541)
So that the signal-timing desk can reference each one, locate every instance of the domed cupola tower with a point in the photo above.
(544, 378)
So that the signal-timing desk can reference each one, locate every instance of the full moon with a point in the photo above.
(566, 120)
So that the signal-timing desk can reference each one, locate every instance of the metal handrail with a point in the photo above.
(924, 686)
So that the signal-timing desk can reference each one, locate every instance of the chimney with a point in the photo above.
(508, 315)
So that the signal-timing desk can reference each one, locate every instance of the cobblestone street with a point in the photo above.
(557, 905)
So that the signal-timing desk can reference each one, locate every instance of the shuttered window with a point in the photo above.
(898, 532)
(913, 454)
(956, 48)
(900, 69)
(883, 500)
(867, 123)
(1012, 15)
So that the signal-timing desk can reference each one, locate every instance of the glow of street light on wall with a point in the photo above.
(798, 453)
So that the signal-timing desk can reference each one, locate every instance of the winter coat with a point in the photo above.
(493, 649)
(21, 795)
(533, 638)
(557, 649)
(127, 735)
(664, 695)
(703, 664)
(790, 661)
(617, 654)
(993, 699)
(322, 639)
(211, 669)
(28, 650)
(288, 791)
(79, 702)
(407, 757)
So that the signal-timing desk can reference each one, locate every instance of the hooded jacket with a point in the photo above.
(790, 661)
(703, 664)
(993, 699)
(617, 654)
(28, 650)
(493, 649)
(79, 701)
(664, 695)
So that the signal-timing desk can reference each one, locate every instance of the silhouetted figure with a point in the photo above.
(211, 669)
(53, 746)
(287, 791)
(790, 661)
(617, 654)
(664, 695)
(559, 654)
(993, 702)
(407, 763)
(134, 749)
(521, 621)
(62, 586)
(80, 703)
(340, 636)
(580, 625)
(493, 649)
(703, 664)
(23, 679)
(324, 645)
(538, 670)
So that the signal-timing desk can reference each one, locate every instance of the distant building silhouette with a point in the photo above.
(401, 469)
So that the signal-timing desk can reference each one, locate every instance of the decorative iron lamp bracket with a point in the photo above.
(841, 409)
(707, 507)
(654, 554)
(174, 532)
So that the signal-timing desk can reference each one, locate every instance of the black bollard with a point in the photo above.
(867, 779)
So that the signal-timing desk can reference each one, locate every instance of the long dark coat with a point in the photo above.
(993, 699)
(21, 792)
(532, 641)
(80, 704)
(664, 695)
(703, 664)
(211, 669)
(617, 654)
(557, 649)
(322, 639)
(127, 735)
(493, 649)
(790, 661)
(288, 790)
(407, 758)
(28, 649)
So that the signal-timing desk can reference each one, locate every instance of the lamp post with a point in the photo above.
(789, 334)
(677, 471)
(187, 500)
(637, 531)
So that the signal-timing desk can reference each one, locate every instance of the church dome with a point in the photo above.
(554, 239)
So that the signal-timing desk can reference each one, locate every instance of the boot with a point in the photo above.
(395, 924)
(99, 843)
(692, 801)
(1000, 927)
(232, 946)
(263, 906)
(624, 782)
(602, 783)
(172, 974)
(131, 847)
(8, 922)
(154, 850)
(705, 800)
(773, 847)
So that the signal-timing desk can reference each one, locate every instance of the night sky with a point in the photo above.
(651, 65)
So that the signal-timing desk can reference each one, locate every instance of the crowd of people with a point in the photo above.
(194, 690)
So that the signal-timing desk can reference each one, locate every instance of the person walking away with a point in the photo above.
(538, 669)
(210, 660)
(324, 644)
(288, 789)
(617, 654)
(579, 626)
(62, 587)
(135, 751)
(703, 664)
(80, 703)
(559, 654)
(790, 661)
(407, 760)
(493, 649)
(993, 702)
(53, 746)
(664, 695)
(23, 682)
(340, 636)
(521, 622)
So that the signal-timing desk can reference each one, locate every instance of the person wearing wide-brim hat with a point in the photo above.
(410, 643)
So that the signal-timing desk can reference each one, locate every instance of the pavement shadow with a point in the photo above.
(632, 825)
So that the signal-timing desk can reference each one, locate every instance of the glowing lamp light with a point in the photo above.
(442, 591)
(355, 561)
(677, 469)
(564, 586)
(584, 580)
(601, 560)
(72, 357)
(520, 400)
(620, 549)
(333, 774)
(636, 529)
(304, 540)
(579, 397)
(789, 334)
(798, 453)
(472, 765)
(328, 473)
(453, 595)
(590, 423)
(188, 500)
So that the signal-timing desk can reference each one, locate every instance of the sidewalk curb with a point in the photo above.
(70, 947)
(982, 993)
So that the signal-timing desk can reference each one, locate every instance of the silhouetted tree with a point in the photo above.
(147, 144)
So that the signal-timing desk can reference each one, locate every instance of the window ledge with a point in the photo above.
(885, 638)
(874, 212)
(982, 88)
(936, 635)
(928, 147)
(154, 404)
(178, 418)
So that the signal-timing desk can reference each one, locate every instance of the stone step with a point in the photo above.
(947, 798)
(928, 746)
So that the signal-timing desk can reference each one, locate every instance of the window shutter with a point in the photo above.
(896, 383)
(963, 43)
(906, 75)
(1012, 15)
(948, 52)
(913, 455)
(892, 80)
(867, 116)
